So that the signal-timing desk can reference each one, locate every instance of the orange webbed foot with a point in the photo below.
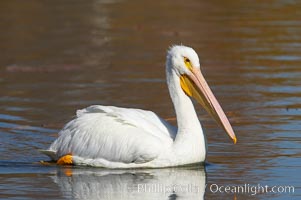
(65, 160)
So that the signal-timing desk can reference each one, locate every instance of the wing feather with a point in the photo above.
(115, 134)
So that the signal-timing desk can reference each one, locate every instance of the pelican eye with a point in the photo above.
(187, 63)
(186, 60)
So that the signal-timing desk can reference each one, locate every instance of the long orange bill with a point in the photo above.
(196, 86)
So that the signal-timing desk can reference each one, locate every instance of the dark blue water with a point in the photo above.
(57, 58)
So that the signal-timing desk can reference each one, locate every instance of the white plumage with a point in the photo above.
(113, 137)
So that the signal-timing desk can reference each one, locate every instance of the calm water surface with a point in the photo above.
(56, 58)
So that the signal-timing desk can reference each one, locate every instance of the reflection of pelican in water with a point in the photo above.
(168, 183)
(115, 137)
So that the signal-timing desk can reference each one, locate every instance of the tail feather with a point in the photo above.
(49, 153)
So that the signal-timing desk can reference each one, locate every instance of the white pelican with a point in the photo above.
(113, 137)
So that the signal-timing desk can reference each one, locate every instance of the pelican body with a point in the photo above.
(113, 137)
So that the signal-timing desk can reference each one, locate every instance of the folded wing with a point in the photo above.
(114, 134)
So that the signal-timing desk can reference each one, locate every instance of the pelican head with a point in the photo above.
(184, 61)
